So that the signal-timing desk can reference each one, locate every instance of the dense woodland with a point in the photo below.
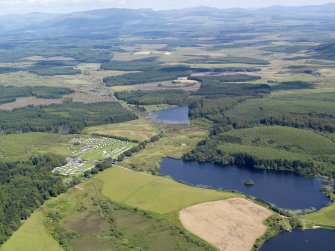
(170, 97)
(65, 118)
(24, 186)
(208, 151)
(10, 93)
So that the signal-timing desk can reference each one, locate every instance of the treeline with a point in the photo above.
(45, 68)
(145, 77)
(325, 51)
(226, 78)
(170, 97)
(65, 118)
(207, 150)
(134, 65)
(24, 186)
(205, 107)
(10, 93)
(292, 85)
(139, 147)
(108, 163)
(220, 90)
(317, 122)
(229, 60)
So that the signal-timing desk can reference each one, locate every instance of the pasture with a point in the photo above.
(140, 129)
(22, 146)
(32, 236)
(323, 217)
(156, 194)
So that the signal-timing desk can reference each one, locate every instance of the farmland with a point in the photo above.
(33, 236)
(22, 146)
(159, 195)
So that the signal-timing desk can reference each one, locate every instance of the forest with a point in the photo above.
(169, 97)
(24, 188)
(64, 118)
(10, 93)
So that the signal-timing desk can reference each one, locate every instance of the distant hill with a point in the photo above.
(111, 22)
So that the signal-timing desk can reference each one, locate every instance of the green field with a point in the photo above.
(32, 236)
(156, 194)
(23, 146)
(140, 129)
(172, 144)
(323, 217)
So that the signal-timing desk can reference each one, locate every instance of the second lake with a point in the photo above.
(176, 115)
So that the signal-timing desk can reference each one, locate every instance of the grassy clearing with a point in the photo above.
(156, 194)
(173, 144)
(140, 129)
(22, 146)
(323, 217)
(32, 236)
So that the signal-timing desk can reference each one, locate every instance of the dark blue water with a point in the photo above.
(284, 189)
(297, 240)
(177, 115)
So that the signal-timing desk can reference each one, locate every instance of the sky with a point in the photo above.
(24, 6)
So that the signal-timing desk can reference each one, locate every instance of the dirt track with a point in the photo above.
(230, 225)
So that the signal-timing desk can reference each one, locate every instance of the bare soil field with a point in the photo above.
(25, 101)
(230, 225)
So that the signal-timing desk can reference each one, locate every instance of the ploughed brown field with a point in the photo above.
(230, 225)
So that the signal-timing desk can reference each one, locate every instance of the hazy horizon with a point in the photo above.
(66, 6)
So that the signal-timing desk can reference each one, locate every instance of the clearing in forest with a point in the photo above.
(140, 129)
